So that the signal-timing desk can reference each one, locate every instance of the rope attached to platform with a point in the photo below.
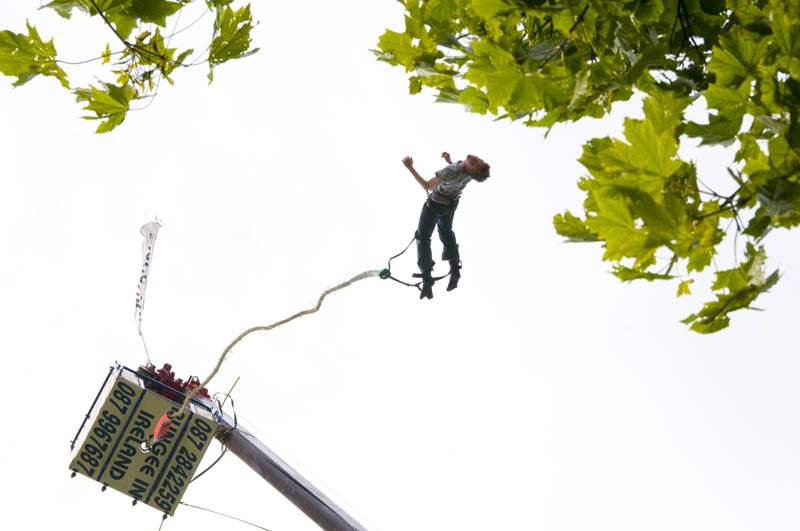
(361, 276)
(223, 514)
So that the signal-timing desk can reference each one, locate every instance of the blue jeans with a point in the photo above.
(436, 214)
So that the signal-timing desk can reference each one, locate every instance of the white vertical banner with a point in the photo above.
(149, 232)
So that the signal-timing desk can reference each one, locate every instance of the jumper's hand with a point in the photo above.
(408, 162)
(446, 157)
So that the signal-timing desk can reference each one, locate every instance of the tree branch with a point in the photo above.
(108, 23)
(727, 205)
(685, 186)
(563, 43)
(130, 46)
(580, 18)
(689, 37)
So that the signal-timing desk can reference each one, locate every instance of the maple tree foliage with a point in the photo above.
(542, 62)
(144, 56)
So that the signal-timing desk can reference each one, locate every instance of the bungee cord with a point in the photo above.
(383, 274)
(187, 400)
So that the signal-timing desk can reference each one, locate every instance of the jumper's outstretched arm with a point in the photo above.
(428, 185)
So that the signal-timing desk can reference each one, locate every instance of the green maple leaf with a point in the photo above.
(648, 152)
(736, 58)
(125, 15)
(232, 37)
(494, 69)
(542, 51)
(700, 258)
(707, 235)
(414, 85)
(579, 92)
(730, 279)
(65, 7)
(781, 156)
(474, 100)
(501, 84)
(720, 130)
(574, 229)
(27, 56)
(651, 144)
(448, 95)
(649, 12)
(109, 104)
(770, 123)
(398, 49)
(591, 155)
(488, 8)
(442, 10)
(155, 11)
(787, 33)
(779, 205)
(627, 274)
(615, 226)
(657, 220)
(534, 92)
(741, 286)
(755, 159)
(683, 287)
(714, 315)
(727, 99)
(663, 109)
(563, 18)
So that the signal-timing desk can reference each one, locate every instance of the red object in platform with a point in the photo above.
(166, 377)
(161, 428)
(170, 387)
(193, 382)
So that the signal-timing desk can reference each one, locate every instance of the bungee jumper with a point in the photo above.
(444, 191)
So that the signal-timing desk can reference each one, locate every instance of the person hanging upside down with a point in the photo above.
(443, 191)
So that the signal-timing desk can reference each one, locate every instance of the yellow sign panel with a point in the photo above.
(110, 451)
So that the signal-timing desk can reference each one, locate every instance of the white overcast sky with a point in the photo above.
(542, 394)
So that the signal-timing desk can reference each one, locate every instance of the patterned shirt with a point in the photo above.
(452, 181)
